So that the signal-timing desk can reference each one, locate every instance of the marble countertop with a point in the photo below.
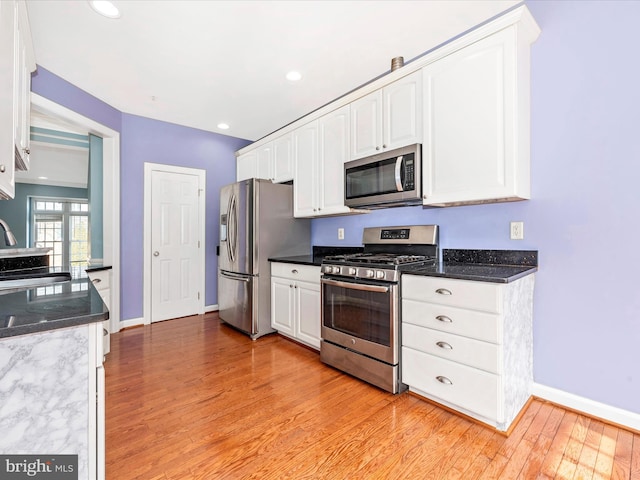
(57, 305)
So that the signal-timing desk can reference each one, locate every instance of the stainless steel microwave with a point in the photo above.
(388, 179)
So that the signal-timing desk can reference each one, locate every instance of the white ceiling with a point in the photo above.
(199, 63)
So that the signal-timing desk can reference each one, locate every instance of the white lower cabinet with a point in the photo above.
(55, 396)
(295, 302)
(101, 279)
(469, 345)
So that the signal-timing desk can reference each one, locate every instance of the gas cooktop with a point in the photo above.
(387, 252)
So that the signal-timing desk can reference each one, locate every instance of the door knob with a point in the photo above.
(156, 253)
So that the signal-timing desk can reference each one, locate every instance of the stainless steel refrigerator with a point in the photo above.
(256, 223)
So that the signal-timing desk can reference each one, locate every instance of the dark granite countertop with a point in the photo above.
(497, 266)
(58, 305)
(315, 258)
(96, 267)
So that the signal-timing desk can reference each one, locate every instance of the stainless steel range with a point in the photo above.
(361, 302)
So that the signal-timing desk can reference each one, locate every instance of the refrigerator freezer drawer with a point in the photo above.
(237, 301)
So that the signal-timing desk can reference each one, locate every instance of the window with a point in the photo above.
(63, 226)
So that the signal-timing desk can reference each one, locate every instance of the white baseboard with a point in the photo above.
(211, 308)
(606, 412)
(132, 322)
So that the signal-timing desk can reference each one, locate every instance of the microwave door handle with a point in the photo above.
(399, 174)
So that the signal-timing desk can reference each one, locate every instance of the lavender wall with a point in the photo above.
(585, 196)
(582, 217)
(145, 140)
(49, 85)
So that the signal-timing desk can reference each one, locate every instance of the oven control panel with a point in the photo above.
(382, 275)
(395, 234)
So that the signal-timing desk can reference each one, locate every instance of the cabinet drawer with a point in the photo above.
(481, 296)
(474, 353)
(471, 389)
(469, 323)
(306, 273)
(100, 279)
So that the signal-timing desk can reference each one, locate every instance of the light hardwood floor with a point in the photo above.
(193, 399)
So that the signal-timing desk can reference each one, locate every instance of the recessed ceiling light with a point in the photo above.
(294, 76)
(223, 126)
(105, 8)
(43, 178)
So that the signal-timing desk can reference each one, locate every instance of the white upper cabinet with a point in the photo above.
(271, 161)
(264, 165)
(247, 166)
(24, 64)
(466, 102)
(7, 29)
(387, 118)
(476, 123)
(17, 61)
(282, 170)
(321, 148)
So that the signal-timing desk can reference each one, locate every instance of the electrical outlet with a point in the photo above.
(341, 234)
(517, 230)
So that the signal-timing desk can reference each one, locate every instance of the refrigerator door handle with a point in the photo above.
(232, 215)
(240, 278)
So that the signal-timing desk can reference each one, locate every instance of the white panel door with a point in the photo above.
(175, 267)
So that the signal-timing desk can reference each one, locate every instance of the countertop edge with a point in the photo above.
(300, 260)
(8, 332)
(476, 278)
(98, 268)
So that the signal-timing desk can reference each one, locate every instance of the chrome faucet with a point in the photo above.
(9, 237)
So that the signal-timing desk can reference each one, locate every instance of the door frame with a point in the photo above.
(110, 193)
(147, 248)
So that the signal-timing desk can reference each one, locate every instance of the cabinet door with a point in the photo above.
(333, 143)
(402, 107)
(283, 159)
(308, 313)
(469, 145)
(264, 162)
(7, 23)
(366, 125)
(305, 185)
(282, 305)
(247, 166)
(24, 64)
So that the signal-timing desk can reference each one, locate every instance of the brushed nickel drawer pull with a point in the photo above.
(443, 291)
(444, 380)
(444, 318)
(96, 280)
(294, 271)
(444, 345)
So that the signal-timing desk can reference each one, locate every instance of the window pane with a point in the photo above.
(62, 226)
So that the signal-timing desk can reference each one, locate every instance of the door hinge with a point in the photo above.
(198, 243)
(198, 295)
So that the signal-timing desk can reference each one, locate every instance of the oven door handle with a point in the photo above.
(356, 286)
